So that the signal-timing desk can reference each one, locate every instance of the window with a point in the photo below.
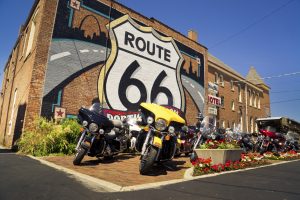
(251, 125)
(256, 127)
(216, 78)
(10, 123)
(250, 97)
(232, 105)
(258, 102)
(221, 80)
(240, 93)
(25, 38)
(223, 124)
(231, 85)
(241, 123)
(222, 101)
(233, 125)
(31, 34)
(254, 99)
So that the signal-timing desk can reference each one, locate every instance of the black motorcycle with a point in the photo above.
(245, 142)
(100, 137)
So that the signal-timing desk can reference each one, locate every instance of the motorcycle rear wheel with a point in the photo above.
(79, 155)
(148, 160)
(262, 150)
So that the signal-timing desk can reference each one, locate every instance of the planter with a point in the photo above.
(220, 156)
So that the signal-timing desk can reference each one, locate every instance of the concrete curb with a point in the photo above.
(105, 186)
(188, 173)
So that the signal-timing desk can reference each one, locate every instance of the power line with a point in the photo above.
(270, 77)
(252, 24)
(285, 91)
(284, 101)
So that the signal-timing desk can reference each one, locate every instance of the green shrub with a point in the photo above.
(47, 137)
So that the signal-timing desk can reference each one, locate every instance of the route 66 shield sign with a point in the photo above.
(143, 66)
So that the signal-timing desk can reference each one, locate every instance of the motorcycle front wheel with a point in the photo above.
(79, 155)
(148, 160)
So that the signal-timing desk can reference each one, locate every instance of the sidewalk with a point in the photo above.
(123, 170)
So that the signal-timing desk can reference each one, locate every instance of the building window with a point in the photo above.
(222, 101)
(231, 85)
(10, 123)
(232, 105)
(223, 124)
(25, 38)
(221, 80)
(254, 99)
(251, 125)
(31, 34)
(250, 97)
(233, 125)
(256, 127)
(258, 102)
(216, 78)
(240, 93)
(241, 123)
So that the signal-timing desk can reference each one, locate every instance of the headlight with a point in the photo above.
(85, 123)
(93, 127)
(161, 124)
(172, 130)
(150, 120)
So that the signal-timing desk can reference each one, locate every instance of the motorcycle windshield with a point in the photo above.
(207, 124)
(96, 108)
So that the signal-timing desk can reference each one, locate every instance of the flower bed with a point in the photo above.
(214, 144)
(290, 155)
(205, 166)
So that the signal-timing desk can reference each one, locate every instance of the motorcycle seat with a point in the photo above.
(117, 123)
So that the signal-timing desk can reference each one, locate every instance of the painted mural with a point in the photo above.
(143, 65)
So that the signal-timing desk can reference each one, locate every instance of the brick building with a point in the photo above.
(59, 62)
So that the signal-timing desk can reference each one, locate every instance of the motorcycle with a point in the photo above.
(100, 136)
(272, 141)
(244, 140)
(185, 141)
(207, 132)
(291, 141)
(157, 141)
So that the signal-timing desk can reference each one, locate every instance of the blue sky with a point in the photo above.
(260, 33)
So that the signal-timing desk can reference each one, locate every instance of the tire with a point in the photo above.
(177, 153)
(262, 150)
(148, 160)
(79, 156)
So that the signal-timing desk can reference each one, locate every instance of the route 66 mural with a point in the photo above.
(143, 66)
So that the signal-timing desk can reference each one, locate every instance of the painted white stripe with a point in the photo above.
(192, 85)
(201, 96)
(95, 50)
(84, 51)
(59, 55)
(186, 81)
(101, 51)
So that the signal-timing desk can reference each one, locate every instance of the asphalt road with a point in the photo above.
(24, 178)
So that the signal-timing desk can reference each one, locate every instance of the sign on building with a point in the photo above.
(75, 4)
(212, 111)
(143, 66)
(59, 113)
(214, 100)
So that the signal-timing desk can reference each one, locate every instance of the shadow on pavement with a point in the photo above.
(163, 168)
(7, 151)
